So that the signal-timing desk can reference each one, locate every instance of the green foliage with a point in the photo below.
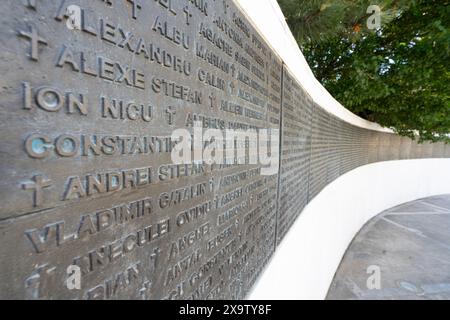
(398, 75)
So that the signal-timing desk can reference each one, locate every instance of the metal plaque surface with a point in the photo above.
(91, 94)
(99, 96)
(295, 153)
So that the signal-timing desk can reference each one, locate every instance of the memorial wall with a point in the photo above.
(94, 94)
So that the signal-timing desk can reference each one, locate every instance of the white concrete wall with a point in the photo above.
(305, 262)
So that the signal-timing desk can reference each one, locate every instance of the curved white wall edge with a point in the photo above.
(267, 17)
(304, 264)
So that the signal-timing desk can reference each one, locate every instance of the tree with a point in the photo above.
(397, 75)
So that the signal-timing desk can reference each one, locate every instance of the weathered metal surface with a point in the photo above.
(405, 148)
(295, 153)
(87, 116)
(373, 142)
(319, 151)
(91, 92)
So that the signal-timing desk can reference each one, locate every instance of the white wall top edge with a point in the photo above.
(269, 20)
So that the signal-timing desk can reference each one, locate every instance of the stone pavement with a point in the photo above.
(407, 246)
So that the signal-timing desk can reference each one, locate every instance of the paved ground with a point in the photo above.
(407, 246)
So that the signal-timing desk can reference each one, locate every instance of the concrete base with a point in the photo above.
(410, 247)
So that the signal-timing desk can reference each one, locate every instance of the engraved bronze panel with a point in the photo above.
(295, 153)
(91, 93)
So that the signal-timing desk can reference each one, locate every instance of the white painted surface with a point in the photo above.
(304, 264)
(267, 17)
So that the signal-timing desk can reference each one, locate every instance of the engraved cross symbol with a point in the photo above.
(38, 185)
(170, 115)
(188, 14)
(221, 267)
(154, 258)
(35, 40)
(213, 100)
(232, 87)
(145, 291)
(225, 6)
(136, 7)
(38, 284)
(233, 70)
